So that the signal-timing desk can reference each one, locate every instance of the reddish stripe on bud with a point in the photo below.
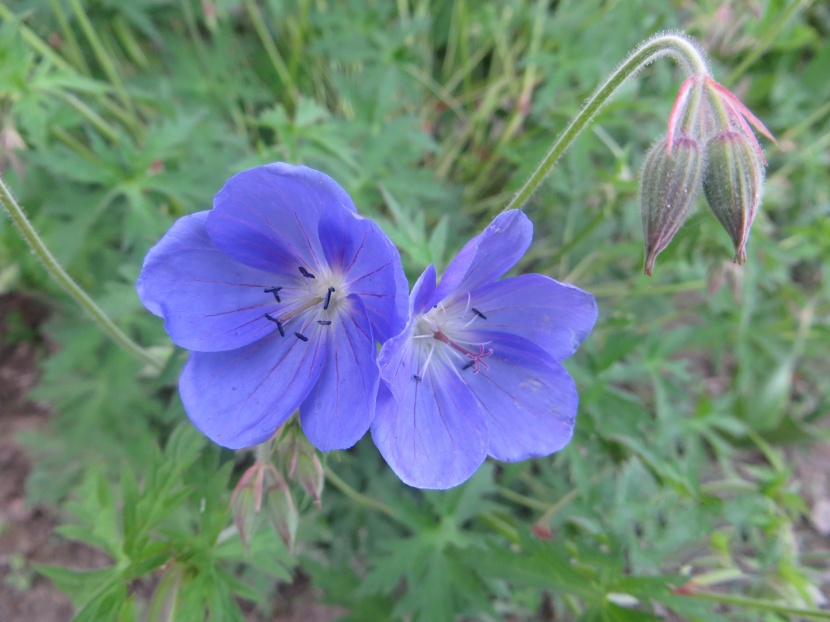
(679, 109)
(738, 106)
(668, 186)
(733, 183)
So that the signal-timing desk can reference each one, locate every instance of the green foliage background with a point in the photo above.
(697, 386)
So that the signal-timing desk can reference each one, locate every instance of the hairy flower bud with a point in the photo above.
(278, 507)
(263, 493)
(733, 183)
(668, 185)
(245, 503)
(298, 459)
(707, 115)
(308, 472)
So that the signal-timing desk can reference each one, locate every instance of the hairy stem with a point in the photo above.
(676, 45)
(357, 497)
(27, 231)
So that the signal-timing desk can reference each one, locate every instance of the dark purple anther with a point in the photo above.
(324, 322)
(306, 273)
(478, 313)
(300, 336)
(274, 290)
(277, 322)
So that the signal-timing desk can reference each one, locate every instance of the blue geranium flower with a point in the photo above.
(280, 292)
(477, 371)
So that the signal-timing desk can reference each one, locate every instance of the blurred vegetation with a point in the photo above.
(697, 387)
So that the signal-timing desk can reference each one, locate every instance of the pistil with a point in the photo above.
(476, 358)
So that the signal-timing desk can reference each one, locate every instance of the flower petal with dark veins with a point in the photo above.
(209, 302)
(239, 397)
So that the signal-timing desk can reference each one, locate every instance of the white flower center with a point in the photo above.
(321, 295)
(442, 334)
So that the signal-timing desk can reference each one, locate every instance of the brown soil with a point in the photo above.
(26, 537)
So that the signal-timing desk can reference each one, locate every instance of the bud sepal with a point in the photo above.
(733, 185)
(668, 186)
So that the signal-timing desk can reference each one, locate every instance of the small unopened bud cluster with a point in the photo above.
(263, 491)
(709, 144)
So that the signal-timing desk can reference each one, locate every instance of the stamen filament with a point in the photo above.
(292, 314)
(429, 358)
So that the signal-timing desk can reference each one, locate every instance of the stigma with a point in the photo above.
(442, 333)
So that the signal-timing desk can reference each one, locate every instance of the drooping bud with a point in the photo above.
(262, 493)
(278, 507)
(298, 459)
(733, 184)
(714, 128)
(729, 113)
(309, 473)
(246, 502)
(668, 186)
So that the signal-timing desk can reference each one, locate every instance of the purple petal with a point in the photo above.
(371, 267)
(430, 431)
(423, 292)
(489, 255)
(239, 398)
(528, 399)
(341, 406)
(209, 302)
(267, 217)
(555, 316)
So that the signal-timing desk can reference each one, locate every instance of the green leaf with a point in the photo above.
(80, 586)
(615, 613)
(543, 565)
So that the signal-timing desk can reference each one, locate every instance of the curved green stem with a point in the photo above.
(760, 605)
(678, 46)
(65, 281)
(501, 526)
(357, 497)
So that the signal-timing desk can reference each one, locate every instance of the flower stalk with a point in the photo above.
(676, 45)
(39, 248)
